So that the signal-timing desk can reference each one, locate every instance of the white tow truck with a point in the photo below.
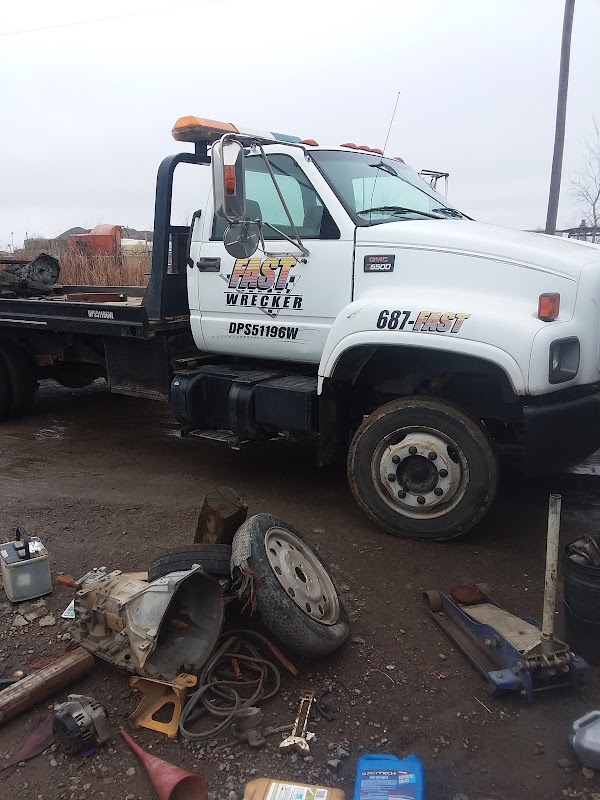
(332, 294)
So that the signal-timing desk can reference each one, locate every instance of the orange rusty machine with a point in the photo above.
(102, 240)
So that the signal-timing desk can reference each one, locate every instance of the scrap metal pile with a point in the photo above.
(186, 632)
(185, 629)
(24, 278)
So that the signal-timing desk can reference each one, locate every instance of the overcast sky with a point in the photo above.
(87, 110)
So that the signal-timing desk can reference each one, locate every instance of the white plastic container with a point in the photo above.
(25, 568)
(585, 739)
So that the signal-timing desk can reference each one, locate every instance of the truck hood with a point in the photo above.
(564, 257)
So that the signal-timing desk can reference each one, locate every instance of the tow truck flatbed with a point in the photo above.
(118, 311)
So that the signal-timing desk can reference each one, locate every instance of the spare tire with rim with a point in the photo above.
(295, 596)
(213, 558)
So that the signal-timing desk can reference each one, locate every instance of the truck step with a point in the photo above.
(228, 438)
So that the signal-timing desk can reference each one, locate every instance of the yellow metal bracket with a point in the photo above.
(157, 697)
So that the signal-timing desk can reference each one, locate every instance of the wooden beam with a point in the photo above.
(41, 685)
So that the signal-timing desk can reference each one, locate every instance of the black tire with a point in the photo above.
(215, 559)
(461, 444)
(296, 629)
(4, 393)
(21, 378)
(74, 375)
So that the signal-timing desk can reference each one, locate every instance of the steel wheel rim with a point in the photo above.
(420, 472)
(302, 576)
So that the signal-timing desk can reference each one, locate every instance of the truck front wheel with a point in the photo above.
(422, 468)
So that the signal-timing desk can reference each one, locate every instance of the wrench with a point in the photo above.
(297, 740)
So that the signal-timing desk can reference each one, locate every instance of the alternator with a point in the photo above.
(80, 724)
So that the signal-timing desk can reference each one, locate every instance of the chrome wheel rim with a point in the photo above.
(420, 472)
(302, 576)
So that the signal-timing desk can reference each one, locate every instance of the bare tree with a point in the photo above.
(585, 186)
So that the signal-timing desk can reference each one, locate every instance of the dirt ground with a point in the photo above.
(105, 480)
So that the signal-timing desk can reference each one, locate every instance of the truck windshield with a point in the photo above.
(376, 190)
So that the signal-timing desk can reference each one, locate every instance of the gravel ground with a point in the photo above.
(105, 480)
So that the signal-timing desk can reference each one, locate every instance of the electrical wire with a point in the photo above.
(230, 694)
(107, 19)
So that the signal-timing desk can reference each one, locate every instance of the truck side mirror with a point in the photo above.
(229, 189)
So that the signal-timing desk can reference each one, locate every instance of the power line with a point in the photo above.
(106, 19)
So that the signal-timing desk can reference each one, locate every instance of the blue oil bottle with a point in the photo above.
(383, 777)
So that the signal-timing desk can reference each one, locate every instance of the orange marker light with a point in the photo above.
(549, 306)
(311, 142)
(377, 150)
(199, 129)
(229, 180)
(349, 144)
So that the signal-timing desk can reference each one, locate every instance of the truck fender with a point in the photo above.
(354, 328)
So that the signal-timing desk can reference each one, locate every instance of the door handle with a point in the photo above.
(209, 264)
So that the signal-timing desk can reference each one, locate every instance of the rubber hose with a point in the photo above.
(227, 700)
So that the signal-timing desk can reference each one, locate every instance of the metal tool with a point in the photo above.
(513, 653)
(297, 740)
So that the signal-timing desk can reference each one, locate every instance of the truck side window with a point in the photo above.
(306, 208)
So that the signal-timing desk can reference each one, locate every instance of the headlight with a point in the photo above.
(564, 360)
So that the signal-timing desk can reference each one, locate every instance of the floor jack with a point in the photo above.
(512, 653)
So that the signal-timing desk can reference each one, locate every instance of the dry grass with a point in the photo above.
(96, 270)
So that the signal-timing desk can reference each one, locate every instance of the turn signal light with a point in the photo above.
(549, 306)
(230, 180)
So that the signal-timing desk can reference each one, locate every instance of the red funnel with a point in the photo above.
(170, 782)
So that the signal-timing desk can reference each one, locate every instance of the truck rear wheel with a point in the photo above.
(21, 378)
(4, 393)
(422, 468)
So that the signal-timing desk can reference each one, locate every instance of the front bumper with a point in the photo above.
(561, 434)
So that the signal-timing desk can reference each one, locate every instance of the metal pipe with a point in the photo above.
(551, 571)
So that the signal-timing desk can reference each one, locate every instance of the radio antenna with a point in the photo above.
(391, 123)
(385, 145)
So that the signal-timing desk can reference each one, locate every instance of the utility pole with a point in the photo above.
(561, 114)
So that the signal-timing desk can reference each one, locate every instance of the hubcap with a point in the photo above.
(302, 576)
(420, 472)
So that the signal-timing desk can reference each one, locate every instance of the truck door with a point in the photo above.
(279, 303)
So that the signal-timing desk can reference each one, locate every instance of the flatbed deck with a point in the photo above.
(96, 310)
